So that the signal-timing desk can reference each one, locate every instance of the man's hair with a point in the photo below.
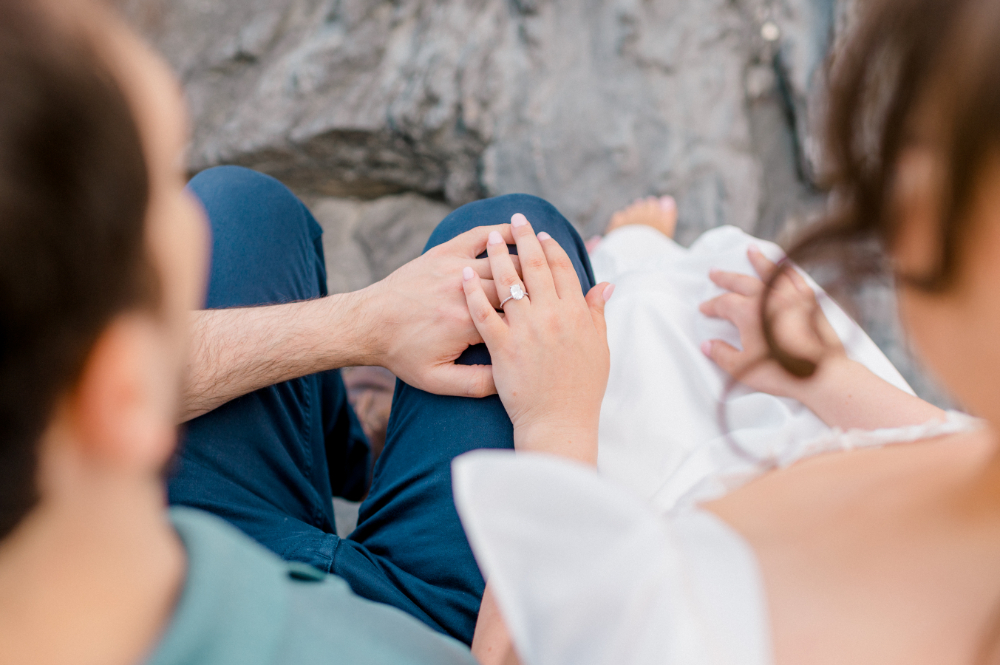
(73, 195)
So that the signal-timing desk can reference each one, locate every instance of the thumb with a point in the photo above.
(596, 300)
(464, 380)
(723, 354)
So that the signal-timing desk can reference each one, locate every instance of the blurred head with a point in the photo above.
(104, 255)
(913, 150)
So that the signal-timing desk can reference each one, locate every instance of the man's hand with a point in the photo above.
(420, 322)
(415, 323)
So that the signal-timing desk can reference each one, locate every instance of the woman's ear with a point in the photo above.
(123, 408)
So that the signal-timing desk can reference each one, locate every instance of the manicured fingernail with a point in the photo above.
(706, 348)
(754, 249)
(608, 292)
(495, 238)
(544, 236)
(518, 220)
(668, 203)
(467, 273)
(713, 272)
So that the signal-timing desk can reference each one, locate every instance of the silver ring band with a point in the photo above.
(509, 298)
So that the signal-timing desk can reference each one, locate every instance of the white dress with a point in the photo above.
(621, 566)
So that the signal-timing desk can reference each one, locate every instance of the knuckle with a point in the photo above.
(562, 263)
(730, 302)
(477, 386)
(534, 262)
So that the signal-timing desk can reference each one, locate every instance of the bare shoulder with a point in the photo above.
(859, 549)
(832, 483)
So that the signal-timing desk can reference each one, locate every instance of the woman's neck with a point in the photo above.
(92, 580)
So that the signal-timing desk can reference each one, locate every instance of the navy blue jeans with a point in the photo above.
(269, 462)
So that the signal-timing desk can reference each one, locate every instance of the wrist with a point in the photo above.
(351, 329)
(571, 440)
(833, 375)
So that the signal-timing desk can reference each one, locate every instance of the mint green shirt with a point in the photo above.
(242, 605)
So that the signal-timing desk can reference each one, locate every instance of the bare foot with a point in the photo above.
(658, 213)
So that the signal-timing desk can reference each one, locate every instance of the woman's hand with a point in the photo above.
(842, 393)
(549, 349)
(800, 327)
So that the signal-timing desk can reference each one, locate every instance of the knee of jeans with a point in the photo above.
(498, 210)
(543, 215)
(233, 180)
(228, 191)
(257, 221)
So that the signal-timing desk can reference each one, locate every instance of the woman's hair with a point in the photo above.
(906, 58)
(73, 198)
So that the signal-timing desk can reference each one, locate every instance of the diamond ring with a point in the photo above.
(516, 293)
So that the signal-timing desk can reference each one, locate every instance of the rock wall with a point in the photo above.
(589, 103)
(385, 114)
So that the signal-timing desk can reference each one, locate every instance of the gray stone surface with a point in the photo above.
(364, 241)
(589, 103)
(386, 114)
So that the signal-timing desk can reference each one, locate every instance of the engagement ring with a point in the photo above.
(516, 293)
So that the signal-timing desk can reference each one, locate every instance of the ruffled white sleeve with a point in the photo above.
(584, 572)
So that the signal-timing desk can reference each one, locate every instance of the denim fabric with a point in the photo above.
(268, 462)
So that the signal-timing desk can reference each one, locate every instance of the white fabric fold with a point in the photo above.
(587, 574)
(660, 429)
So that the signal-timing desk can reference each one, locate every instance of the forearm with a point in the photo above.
(491, 643)
(846, 394)
(237, 351)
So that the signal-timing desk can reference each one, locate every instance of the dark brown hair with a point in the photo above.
(73, 197)
(907, 57)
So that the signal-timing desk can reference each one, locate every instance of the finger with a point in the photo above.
(763, 265)
(785, 282)
(567, 283)
(504, 275)
(745, 285)
(534, 265)
(462, 380)
(725, 355)
(798, 281)
(726, 306)
(472, 243)
(490, 289)
(597, 298)
(484, 317)
(483, 269)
